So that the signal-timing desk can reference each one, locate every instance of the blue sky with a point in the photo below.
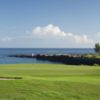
(49, 23)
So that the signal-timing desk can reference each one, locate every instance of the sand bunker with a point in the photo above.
(10, 78)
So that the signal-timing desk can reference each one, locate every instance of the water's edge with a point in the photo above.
(4, 52)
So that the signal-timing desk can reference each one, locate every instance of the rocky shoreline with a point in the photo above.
(71, 59)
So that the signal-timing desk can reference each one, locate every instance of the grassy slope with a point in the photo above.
(50, 82)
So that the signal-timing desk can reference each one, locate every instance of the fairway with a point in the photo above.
(49, 82)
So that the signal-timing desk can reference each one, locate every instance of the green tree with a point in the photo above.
(97, 48)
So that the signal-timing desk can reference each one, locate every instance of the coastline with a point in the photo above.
(70, 59)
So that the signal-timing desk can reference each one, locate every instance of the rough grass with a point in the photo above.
(50, 82)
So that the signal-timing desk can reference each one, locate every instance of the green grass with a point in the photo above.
(50, 82)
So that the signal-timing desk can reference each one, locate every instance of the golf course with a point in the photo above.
(49, 82)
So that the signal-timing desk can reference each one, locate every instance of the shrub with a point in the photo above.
(97, 48)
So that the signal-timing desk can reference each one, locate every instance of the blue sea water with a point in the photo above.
(4, 52)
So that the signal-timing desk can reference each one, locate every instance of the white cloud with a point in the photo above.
(82, 39)
(6, 39)
(52, 30)
(98, 34)
(49, 30)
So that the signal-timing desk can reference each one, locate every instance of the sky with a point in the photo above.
(49, 23)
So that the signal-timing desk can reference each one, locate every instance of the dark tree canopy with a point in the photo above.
(97, 48)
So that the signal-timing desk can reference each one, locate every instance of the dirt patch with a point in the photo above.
(10, 78)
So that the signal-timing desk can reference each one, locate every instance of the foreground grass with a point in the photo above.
(50, 82)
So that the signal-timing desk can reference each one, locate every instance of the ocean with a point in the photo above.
(4, 52)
